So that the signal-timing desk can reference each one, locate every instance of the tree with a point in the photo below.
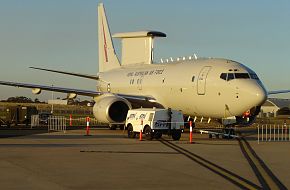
(19, 99)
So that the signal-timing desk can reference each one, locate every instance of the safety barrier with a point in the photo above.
(34, 121)
(273, 132)
(57, 123)
(71, 121)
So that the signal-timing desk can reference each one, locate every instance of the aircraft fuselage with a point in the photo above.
(193, 86)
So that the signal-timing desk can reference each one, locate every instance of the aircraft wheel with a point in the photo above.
(210, 136)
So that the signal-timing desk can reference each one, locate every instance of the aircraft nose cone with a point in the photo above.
(260, 95)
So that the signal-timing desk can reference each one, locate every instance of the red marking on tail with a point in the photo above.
(105, 43)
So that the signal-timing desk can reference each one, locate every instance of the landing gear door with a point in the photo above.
(201, 82)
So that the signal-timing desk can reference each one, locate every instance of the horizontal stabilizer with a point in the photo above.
(94, 77)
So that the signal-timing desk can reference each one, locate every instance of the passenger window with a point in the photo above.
(223, 76)
(230, 76)
(192, 79)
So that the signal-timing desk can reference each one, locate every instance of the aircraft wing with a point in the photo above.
(94, 77)
(89, 93)
(53, 88)
(278, 92)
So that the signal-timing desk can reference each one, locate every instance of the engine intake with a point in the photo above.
(111, 109)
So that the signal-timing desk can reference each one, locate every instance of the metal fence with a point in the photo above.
(57, 123)
(273, 132)
(35, 121)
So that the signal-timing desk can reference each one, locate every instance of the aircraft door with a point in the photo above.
(201, 81)
(139, 82)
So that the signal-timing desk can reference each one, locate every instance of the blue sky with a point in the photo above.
(62, 34)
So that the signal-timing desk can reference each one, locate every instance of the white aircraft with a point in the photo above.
(199, 87)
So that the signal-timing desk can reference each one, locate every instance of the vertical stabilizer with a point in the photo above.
(107, 57)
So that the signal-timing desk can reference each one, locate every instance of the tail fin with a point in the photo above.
(107, 57)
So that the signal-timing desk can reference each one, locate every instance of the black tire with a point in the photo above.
(148, 133)
(158, 135)
(210, 136)
(131, 133)
(176, 134)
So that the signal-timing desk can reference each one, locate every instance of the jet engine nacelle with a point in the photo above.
(71, 95)
(111, 109)
(36, 90)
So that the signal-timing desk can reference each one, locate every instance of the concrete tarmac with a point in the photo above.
(109, 160)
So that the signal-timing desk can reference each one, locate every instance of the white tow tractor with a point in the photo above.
(154, 122)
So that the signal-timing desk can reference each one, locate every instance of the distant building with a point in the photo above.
(272, 105)
(57, 101)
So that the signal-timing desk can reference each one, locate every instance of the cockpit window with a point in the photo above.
(254, 76)
(242, 76)
(230, 76)
(223, 76)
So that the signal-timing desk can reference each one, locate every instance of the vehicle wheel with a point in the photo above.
(157, 135)
(131, 133)
(210, 136)
(148, 133)
(217, 136)
(176, 134)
